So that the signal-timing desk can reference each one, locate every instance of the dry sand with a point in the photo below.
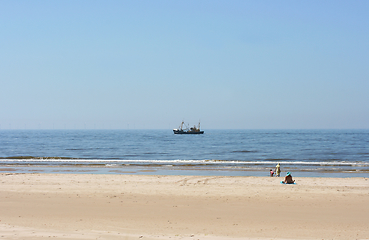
(87, 206)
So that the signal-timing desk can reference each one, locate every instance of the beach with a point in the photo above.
(156, 207)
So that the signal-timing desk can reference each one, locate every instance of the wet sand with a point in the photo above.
(96, 206)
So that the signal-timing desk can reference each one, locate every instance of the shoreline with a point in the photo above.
(158, 207)
(176, 171)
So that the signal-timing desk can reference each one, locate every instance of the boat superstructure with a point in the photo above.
(184, 129)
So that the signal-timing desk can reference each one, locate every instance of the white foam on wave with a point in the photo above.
(180, 162)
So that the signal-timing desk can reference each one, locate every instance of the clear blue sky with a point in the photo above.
(151, 64)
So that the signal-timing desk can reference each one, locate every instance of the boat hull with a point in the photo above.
(187, 132)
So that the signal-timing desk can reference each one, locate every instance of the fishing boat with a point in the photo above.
(184, 129)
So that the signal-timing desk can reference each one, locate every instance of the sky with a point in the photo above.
(153, 64)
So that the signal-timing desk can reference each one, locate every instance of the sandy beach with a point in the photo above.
(93, 206)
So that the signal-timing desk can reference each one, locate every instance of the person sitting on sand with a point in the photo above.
(271, 173)
(288, 179)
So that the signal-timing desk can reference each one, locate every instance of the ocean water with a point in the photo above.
(326, 153)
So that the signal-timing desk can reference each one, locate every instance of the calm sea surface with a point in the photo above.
(327, 153)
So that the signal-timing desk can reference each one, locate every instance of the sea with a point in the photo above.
(304, 153)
